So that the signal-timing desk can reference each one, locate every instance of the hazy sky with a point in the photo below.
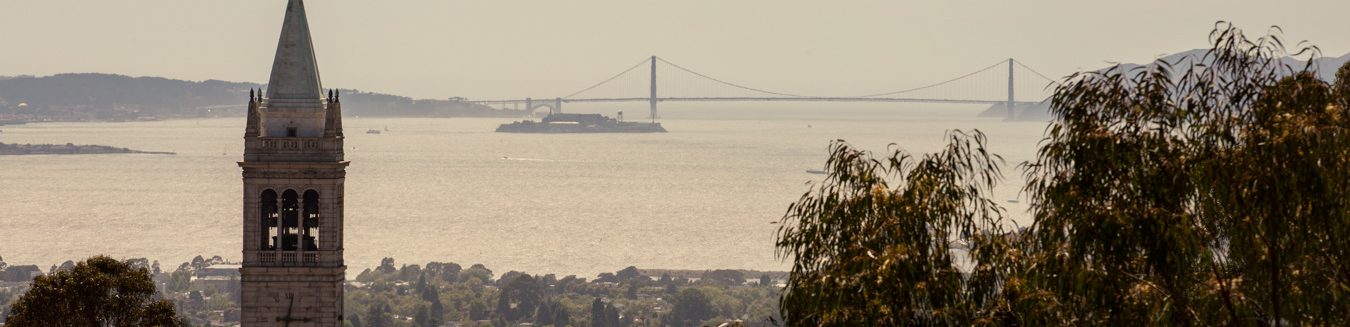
(510, 48)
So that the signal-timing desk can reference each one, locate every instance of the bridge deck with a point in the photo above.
(751, 99)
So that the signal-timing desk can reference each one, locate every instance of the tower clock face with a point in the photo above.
(290, 311)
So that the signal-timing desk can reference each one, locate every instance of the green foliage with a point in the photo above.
(869, 253)
(195, 300)
(377, 316)
(604, 314)
(448, 272)
(724, 277)
(179, 280)
(547, 300)
(607, 278)
(598, 313)
(410, 272)
(519, 299)
(422, 317)
(478, 311)
(553, 313)
(99, 291)
(437, 312)
(1211, 193)
(1196, 195)
(386, 266)
(692, 308)
(477, 271)
(626, 274)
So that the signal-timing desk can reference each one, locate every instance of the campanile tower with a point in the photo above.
(294, 172)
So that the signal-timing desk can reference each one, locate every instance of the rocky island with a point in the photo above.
(68, 148)
(580, 123)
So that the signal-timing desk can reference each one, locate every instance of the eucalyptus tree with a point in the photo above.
(1208, 191)
(872, 245)
(1197, 194)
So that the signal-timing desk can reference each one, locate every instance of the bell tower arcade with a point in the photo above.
(293, 172)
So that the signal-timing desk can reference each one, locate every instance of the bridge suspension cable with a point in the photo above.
(1033, 71)
(981, 70)
(611, 78)
(743, 87)
(981, 86)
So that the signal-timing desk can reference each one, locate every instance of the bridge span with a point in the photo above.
(910, 95)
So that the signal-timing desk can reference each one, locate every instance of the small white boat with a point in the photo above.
(814, 171)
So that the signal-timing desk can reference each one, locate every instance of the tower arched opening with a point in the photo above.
(309, 228)
(268, 214)
(290, 220)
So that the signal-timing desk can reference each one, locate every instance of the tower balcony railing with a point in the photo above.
(293, 258)
(305, 149)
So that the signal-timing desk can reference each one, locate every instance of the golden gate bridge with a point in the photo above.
(983, 86)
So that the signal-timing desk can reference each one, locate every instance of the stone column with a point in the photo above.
(300, 233)
(281, 226)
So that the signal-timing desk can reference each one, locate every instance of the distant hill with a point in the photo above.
(104, 97)
(1325, 67)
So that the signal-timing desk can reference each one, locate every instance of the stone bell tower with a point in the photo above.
(294, 172)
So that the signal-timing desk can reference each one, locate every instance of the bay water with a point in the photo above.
(702, 196)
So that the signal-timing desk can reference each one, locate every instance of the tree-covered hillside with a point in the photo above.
(106, 97)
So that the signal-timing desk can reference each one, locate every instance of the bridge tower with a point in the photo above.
(1012, 113)
(652, 100)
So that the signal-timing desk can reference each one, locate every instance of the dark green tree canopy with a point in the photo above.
(99, 291)
(692, 307)
(519, 298)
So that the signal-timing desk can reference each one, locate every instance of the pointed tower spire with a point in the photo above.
(295, 72)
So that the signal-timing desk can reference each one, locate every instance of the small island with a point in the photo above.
(68, 148)
(580, 123)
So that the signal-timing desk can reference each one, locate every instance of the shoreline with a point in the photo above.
(11, 149)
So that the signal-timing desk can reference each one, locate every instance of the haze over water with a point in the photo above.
(451, 190)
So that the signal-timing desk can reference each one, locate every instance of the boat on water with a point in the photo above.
(579, 123)
(372, 131)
